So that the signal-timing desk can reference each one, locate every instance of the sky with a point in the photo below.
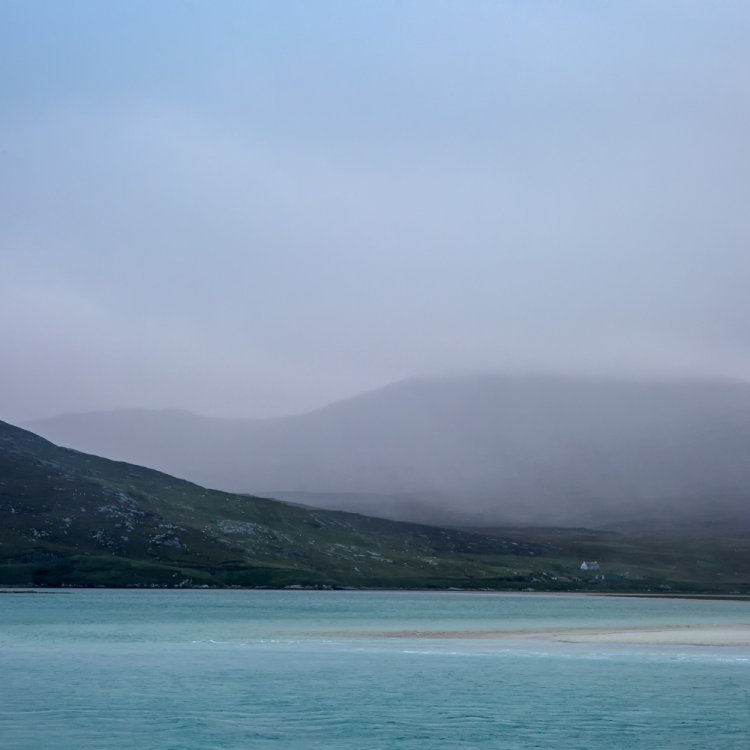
(256, 208)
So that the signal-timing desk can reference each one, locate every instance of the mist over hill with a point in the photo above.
(73, 519)
(472, 450)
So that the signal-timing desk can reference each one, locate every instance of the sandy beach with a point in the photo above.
(692, 635)
(677, 635)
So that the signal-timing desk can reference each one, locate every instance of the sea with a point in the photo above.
(89, 669)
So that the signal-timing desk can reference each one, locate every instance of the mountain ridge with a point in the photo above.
(477, 450)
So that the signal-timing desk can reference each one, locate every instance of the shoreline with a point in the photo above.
(373, 590)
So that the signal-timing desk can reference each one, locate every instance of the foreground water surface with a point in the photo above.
(196, 670)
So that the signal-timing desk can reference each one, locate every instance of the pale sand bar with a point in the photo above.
(695, 635)
(677, 635)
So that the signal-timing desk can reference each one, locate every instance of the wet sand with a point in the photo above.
(692, 635)
(678, 635)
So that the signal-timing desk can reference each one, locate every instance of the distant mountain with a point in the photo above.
(479, 450)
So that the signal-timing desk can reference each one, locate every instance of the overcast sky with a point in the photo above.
(255, 208)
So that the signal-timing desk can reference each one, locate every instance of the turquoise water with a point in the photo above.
(195, 670)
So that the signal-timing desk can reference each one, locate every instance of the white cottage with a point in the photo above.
(589, 565)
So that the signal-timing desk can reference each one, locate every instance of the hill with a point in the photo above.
(470, 451)
(68, 518)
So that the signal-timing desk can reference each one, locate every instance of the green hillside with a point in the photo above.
(69, 518)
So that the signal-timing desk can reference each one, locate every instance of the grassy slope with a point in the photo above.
(679, 561)
(72, 518)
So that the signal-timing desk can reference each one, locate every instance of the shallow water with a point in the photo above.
(184, 670)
